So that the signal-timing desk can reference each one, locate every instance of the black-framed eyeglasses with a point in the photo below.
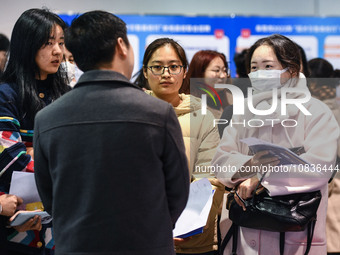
(159, 70)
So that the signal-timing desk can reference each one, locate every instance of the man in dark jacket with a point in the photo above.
(110, 162)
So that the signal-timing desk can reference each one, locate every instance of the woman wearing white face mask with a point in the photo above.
(274, 64)
(71, 69)
(265, 80)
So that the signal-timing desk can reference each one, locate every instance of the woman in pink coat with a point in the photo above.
(309, 125)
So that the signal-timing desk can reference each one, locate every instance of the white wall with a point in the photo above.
(10, 10)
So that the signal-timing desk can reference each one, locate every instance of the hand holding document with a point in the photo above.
(23, 185)
(195, 215)
(23, 216)
(286, 156)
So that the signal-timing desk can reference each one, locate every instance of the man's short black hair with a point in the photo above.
(92, 38)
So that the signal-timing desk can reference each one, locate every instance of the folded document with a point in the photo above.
(286, 156)
(195, 215)
(21, 218)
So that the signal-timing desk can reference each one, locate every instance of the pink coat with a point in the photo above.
(318, 134)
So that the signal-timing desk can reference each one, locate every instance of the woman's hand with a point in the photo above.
(9, 204)
(260, 159)
(245, 190)
(32, 224)
(179, 241)
(30, 151)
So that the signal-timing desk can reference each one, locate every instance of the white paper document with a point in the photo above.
(23, 185)
(197, 210)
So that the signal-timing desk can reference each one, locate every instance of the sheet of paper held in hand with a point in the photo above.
(23, 185)
(285, 155)
(197, 210)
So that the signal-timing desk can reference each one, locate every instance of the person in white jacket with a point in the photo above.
(309, 125)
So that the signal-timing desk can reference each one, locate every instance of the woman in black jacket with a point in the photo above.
(31, 81)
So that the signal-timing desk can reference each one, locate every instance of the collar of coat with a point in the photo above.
(102, 75)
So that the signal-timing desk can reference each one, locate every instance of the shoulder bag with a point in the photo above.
(293, 212)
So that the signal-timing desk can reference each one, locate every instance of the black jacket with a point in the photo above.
(16, 127)
(110, 167)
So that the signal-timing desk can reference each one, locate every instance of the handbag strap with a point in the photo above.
(235, 237)
(310, 233)
(257, 186)
(232, 232)
(282, 242)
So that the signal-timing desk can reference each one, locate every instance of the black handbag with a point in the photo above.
(294, 212)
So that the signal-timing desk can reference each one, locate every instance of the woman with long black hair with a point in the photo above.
(32, 80)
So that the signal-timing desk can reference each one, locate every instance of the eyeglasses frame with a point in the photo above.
(180, 70)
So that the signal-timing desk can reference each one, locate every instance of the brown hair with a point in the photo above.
(197, 67)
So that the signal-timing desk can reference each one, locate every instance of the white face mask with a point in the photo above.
(265, 80)
(77, 72)
(70, 70)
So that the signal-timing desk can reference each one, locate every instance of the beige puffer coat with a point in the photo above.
(200, 139)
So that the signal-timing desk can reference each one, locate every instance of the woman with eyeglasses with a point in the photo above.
(212, 67)
(162, 75)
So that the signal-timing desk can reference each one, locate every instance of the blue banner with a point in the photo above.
(319, 37)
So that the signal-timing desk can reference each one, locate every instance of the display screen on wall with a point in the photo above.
(319, 37)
